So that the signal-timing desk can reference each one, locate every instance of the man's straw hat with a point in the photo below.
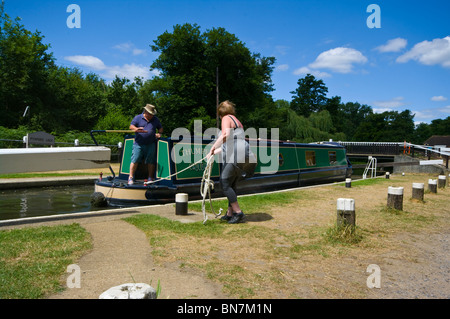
(150, 109)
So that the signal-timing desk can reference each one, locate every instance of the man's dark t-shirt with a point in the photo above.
(150, 127)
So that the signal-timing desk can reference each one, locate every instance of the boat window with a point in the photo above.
(310, 158)
(332, 157)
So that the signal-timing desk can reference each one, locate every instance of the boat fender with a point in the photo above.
(98, 200)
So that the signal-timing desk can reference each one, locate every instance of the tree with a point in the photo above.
(77, 99)
(188, 62)
(310, 96)
(440, 126)
(24, 65)
(349, 117)
(124, 94)
(389, 126)
(422, 132)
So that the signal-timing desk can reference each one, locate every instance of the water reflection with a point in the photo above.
(45, 201)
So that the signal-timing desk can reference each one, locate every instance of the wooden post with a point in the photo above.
(417, 191)
(346, 212)
(395, 197)
(348, 182)
(441, 181)
(218, 123)
(432, 185)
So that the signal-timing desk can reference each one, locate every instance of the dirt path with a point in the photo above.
(422, 274)
(122, 254)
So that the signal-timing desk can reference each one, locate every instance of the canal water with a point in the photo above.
(45, 201)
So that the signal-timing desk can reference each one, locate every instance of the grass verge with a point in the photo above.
(32, 260)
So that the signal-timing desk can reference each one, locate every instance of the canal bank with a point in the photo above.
(31, 182)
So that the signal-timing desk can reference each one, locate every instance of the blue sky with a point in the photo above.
(404, 64)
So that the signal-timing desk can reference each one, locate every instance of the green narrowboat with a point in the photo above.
(180, 167)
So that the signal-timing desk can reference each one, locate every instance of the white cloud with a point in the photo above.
(423, 116)
(281, 49)
(129, 47)
(381, 110)
(305, 70)
(87, 61)
(394, 45)
(282, 67)
(432, 52)
(445, 109)
(129, 71)
(339, 60)
(439, 98)
(388, 105)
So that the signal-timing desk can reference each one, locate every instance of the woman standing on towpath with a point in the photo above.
(238, 160)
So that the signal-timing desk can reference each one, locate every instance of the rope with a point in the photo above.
(170, 176)
(206, 185)
(205, 189)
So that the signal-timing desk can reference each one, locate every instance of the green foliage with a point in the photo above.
(344, 235)
(115, 119)
(24, 65)
(310, 96)
(190, 62)
(32, 260)
(389, 126)
(440, 126)
(349, 116)
(318, 127)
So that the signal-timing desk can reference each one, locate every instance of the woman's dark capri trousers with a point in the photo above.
(231, 174)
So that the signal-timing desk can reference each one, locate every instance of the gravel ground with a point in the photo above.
(427, 276)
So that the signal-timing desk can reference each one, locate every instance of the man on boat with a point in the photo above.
(148, 129)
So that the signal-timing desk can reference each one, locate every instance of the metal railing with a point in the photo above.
(397, 148)
(116, 150)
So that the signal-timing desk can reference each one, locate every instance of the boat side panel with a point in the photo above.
(126, 157)
(185, 154)
(163, 160)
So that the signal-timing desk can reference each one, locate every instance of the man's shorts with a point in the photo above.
(144, 153)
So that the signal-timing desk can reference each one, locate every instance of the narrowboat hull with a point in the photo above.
(281, 165)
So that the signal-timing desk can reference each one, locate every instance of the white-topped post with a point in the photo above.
(442, 181)
(181, 204)
(346, 212)
(432, 185)
(348, 182)
(395, 197)
(418, 191)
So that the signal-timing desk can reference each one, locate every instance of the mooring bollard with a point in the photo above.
(432, 185)
(346, 212)
(130, 291)
(441, 181)
(387, 175)
(348, 182)
(395, 197)
(417, 191)
(181, 204)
